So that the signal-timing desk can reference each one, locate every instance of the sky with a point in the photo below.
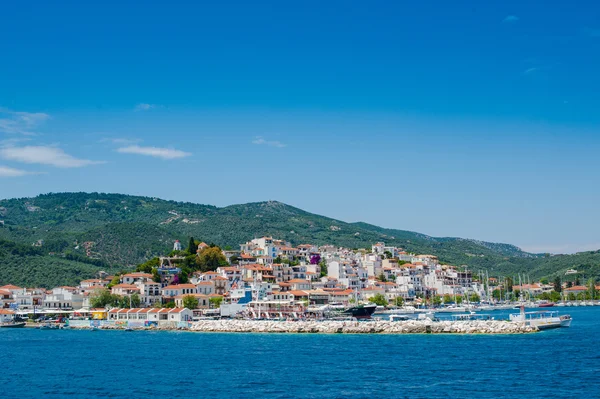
(466, 119)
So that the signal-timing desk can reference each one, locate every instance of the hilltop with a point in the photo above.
(115, 231)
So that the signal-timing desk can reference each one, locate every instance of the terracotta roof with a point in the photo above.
(6, 311)
(179, 286)
(298, 293)
(126, 286)
(137, 274)
(577, 288)
(10, 287)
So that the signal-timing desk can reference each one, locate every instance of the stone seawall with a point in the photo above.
(364, 327)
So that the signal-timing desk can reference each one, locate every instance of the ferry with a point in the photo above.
(543, 320)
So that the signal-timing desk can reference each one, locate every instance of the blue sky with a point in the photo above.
(468, 118)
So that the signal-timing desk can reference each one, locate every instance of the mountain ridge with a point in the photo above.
(123, 231)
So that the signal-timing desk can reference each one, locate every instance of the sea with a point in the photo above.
(118, 364)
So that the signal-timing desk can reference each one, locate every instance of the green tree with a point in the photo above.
(192, 247)
(209, 259)
(379, 300)
(215, 301)
(474, 297)
(147, 267)
(323, 266)
(102, 298)
(437, 300)
(447, 299)
(115, 281)
(592, 289)
(388, 255)
(190, 302)
(577, 281)
(509, 284)
(544, 280)
(155, 275)
(459, 299)
(169, 305)
(382, 278)
(557, 284)
(399, 301)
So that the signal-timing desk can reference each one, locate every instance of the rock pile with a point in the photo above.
(364, 327)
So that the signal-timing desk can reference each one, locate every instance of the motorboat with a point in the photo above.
(543, 320)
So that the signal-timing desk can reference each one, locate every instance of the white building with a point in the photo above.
(63, 298)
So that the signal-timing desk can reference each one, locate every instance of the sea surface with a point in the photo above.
(561, 363)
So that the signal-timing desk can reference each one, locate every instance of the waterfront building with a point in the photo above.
(6, 316)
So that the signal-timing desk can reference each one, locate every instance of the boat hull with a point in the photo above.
(360, 312)
(12, 325)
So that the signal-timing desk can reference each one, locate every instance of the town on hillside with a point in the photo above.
(268, 278)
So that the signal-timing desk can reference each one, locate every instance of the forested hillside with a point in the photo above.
(121, 231)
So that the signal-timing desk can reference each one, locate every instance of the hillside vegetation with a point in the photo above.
(123, 231)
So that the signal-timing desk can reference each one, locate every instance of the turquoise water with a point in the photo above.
(60, 363)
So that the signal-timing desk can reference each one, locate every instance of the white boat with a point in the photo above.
(452, 309)
(543, 320)
(402, 310)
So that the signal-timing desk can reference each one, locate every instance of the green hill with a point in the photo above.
(121, 231)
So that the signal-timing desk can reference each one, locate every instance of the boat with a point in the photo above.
(400, 317)
(545, 304)
(12, 325)
(452, 309)
(360, 311)
(543, 320)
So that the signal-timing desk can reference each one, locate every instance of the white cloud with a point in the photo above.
(510, 19)
(120, 140)
(164, 153)
(12, 122)
(44, 155)
(146, 107)
(259, 140)
(531, 70)
(5, 171)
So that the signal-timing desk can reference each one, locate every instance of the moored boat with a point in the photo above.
(360, 311)
(543, 320)
(12, 325)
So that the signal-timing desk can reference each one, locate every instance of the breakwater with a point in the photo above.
(364, 327)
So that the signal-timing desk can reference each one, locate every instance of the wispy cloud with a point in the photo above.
(146, 107)
(531, 70)
(163, 153)
(44, 155)
(13, 122)
(259, 140)
(510, 19)
(120, 140)
(5, 171)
